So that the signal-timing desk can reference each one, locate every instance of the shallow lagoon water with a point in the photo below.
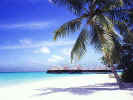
(22, 77)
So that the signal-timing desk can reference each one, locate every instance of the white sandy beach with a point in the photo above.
(84, 87)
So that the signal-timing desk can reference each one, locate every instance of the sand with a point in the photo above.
(83, 87)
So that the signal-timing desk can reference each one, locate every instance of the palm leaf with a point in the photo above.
(123, 28)
(79, 49)
(67, 28)
(112, 48)
(76, 6)
(117, 14)
(125, 31)
(110, 4)
(104, 22)
(116, 52)
(108, 47)
(95, 36)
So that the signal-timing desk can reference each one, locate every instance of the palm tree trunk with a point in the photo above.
(117, 78)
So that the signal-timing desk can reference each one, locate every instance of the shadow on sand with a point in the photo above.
(83, 90)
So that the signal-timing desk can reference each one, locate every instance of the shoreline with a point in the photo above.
(37, 77)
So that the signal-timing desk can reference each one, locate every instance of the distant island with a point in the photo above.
(76, 69)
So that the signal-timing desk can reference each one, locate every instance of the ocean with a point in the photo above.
(22, 77)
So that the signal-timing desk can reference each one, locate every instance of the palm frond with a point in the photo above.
(109, 4)
(123, 28)
(116, 52)
(102, 31)
(112, 48)
(125, 31)
(117, 14)
(118, 3)
(106, 39)
(67, 28)
(79, 49)
(108, 47)
(105, 22)
(95, 36)
(76, 6)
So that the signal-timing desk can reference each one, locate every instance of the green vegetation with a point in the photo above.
(98, 21)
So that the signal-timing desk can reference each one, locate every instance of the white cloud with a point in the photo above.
(58, 57)
(52, 60)
(56, 43)
(44, 50)
(25, 41)
(28, 43)
(29, 25)
(55, 59)
(66, 51)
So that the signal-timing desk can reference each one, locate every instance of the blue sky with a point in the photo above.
(26, 41)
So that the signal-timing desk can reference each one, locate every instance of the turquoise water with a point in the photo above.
(22, 77)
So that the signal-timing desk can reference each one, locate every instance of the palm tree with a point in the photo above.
(98, 21)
